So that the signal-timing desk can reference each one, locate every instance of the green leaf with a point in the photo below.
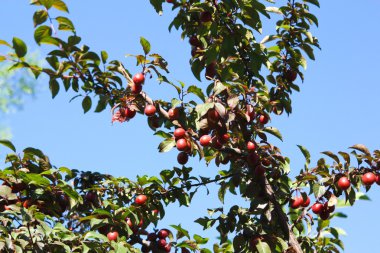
(33, 152)
(315, 2)
(47, 3)
(3, 42)
(60, 5)
(19, 47)
(196, 91)
(274, 131)
(65, 24)
(8, 144)
(162, 134)
(95, 235)
(157, 4)
(40, 17)
(42, 33)
(166, 145)
(54, 87)
(263, 247)
(145, 45)
(86, 104)
(181, 232)
(318, 190)
(199, 239)
(104, 56)
(331, 155)
(32, 178)
(305, 153)
(361, 148)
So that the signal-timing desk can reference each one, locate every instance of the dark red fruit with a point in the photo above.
(163, 233)
(152, 237)
(182, 144)
(251, 146)
(213, 115)
(27, 203)
(162, 243)
(182, 158)
(112, 236)
(378, 179)
(136, 88)
(194, 41)
(150, 110)
(173, 113)
(290, 75)
(129, 113)
(170, 1)
(184, 250)
(211, 70)
(253, 159)
(305, 203)
(263, 119)
(317, 208)
(296, 202)
(167, 248)
(91, 196)
(259, 170)
(205, 140)
(17, 187)
(205, 17)
(225, 137)
(141, 199)
(328, 208)
(344, 183)
(179, 133)
(368, 178)
(139, 78)
(324, 215)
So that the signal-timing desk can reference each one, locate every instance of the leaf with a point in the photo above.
(162, 134)
(196, 91)
(361, 148)
(95, 235)
(199, 239)
(39, 17)
(86, 104)
(305, 153)
(104, 56)
(3, 42)
(145, 45)
(8, 144)
(331, 155)
(60, 5)
(166, 145)
(263, 247)
(181, 232)
(318, 190)
(41, 33)
(65, 24)
(34, 152)
(19, 47)
(54, 87)
(315, 2)
(47, 3)
(274, 131)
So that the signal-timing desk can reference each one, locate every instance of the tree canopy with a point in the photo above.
(226, 120)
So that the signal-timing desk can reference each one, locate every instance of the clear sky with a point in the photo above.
(337, 106)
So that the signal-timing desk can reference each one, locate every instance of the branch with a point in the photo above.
(286, 227)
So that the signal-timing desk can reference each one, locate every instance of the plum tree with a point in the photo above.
(225, 119)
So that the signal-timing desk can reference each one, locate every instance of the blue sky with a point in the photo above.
(337, 106)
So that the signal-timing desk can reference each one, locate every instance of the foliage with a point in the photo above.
(56, 209)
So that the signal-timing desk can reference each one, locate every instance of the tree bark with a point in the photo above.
(295, 247)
